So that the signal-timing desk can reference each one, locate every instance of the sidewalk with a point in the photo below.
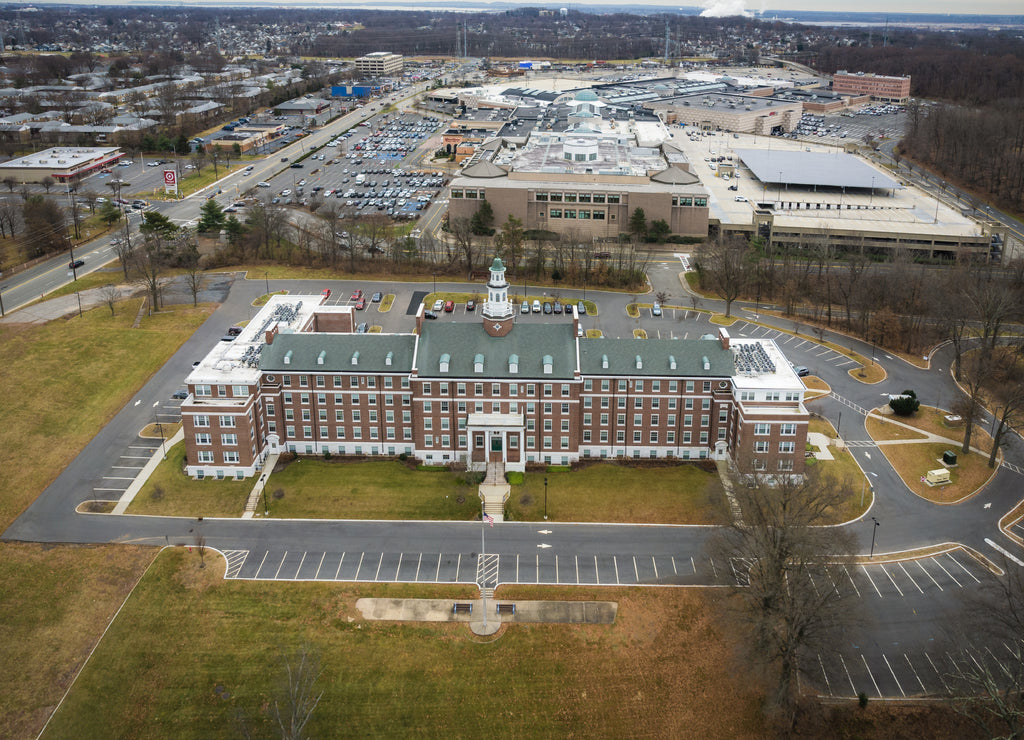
(65, 305)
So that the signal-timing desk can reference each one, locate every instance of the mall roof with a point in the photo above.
(810, 169)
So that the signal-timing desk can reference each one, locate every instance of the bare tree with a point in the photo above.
(779, 551)
(986, 658)
(110, 295)
(299, 695)
(465, 241)
(1006, 393)
(975, 373)
(725, 265)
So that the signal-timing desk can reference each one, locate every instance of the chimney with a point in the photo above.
(268, 337)
(723, 336)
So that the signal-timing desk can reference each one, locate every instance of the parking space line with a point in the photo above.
(823, 673)
(437, 571)
(399, 564)
(517, 567)
(941, 679)
(359, 566)
(911, 579)
(674, 571)
(418, 564)
(278, 571)
(989, 651)
(872, 675)
(377, 572)
(537, 579)
(557, 577)
(338, 571)
(636, 570)
(655, 567)
(848, 676)
(303, 560)
(577, 559)
(261, 565)
(965, 570)
(831, 580)
(929, 575)
(318, 567)
(615, 561)
(458, 565)
(872, 581)
(813, 584)
(693, 565)
(713, 568)
(916, 675)
(891, 579)
(597, 573)
(947, 572)
(898, 684)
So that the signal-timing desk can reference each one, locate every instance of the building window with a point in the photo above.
(787, 447)
(204, 456)
(202, 391)
(555, 213)
(761, 428)
(785, 466)
(787, 430)
(543, 197)
(231, 457)
(229, 440)
(203, 439)
(761, 446)
(203, 421)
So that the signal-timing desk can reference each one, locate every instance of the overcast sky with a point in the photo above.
(714, 7)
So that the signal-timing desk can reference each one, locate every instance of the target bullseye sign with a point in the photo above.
(170, 181)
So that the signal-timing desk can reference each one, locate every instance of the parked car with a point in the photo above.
(582, 309)
(326, 293)
(525, 308)
(182, 394)
(802, 371)
(361, 329)
(438, 306)
(449, 306)
(360, 304)
(556, 307)
(470, 305)
(429, 315)
(356, 295)
(547, 307)
(377, 297)
(536, 306)
(656, 309)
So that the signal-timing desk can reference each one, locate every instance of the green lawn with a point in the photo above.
(169, 492)
(193, 656)
(609, 492)
(385, 489)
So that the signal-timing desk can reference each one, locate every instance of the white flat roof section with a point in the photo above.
(809, 169)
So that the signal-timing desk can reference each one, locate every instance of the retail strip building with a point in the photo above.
(298, 379)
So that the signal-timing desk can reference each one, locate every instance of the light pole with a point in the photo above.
(871, 195)
(434, 275)
(71, 251)
(545, 498)
(266, 511)
(1, 301)
(266, 277)
(874, 530)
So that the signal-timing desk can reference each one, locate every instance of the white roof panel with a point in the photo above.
(826, 169)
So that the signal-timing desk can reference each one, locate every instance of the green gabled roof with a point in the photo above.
(656, 357)
(530, 342)
(338, 350)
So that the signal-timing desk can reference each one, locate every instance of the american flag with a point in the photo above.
(488, 518)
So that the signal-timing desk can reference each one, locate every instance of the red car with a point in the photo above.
(326, 293)
(449, 306)
(361, 304)
(357, 295)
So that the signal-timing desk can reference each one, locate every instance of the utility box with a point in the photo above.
(937, 477)
(949, 457)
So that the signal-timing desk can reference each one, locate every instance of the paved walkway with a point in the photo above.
(65, 305)
(485, 617)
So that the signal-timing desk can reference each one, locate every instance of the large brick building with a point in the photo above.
(879, 87)
(298, 379)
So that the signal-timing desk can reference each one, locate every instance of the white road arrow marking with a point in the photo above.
(867, 455)
(543, 546)
(543, 531)
(988, 505)
(137, 403)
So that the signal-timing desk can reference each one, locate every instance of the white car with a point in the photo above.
(536, 306)
(263, 184)
(438, 306)
(740, 199)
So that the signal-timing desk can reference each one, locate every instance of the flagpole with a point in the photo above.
(483, 560)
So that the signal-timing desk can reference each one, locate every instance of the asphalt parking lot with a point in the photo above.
(367, 171)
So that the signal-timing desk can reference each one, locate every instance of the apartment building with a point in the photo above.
(496, 390)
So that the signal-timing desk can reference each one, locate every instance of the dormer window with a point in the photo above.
(355, 358)
(478, 363)
(604, 362)
(444, 363)
(288, 357)
(639, 363)
(548, 363)
(320, 357)
(513, 363)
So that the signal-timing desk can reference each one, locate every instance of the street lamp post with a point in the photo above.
(71, 252)
(434, 275)
(266, 278)
(545, 498)
(874, 530)
(266, 511)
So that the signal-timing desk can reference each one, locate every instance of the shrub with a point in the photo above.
(905, 404)
(514, 478)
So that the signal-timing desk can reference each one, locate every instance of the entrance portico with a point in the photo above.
(496, 438)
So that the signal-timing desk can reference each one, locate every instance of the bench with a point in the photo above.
(506, 609)
(462, 608)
